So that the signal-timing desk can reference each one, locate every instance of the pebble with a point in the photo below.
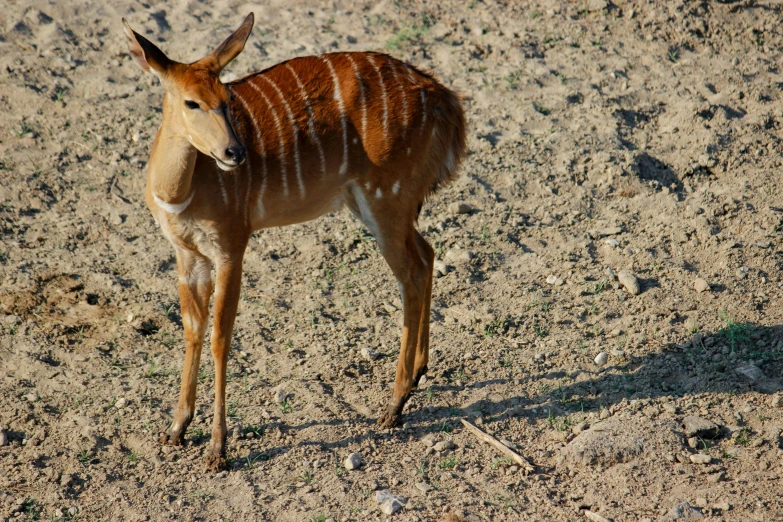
(629, 281)
(459, 255)
(121, 403)
(32, 397)
(445, 445)
(701, 458)
(612, 242)
(670, 407)
(776, 401)
(700, 285)
(579, 428)
(750, 371)
(698, 427)
(460, 208)
(441, 269)
(72, 511)
(389, 502)
(370, 354)
(595, 517)
(3, 438)
(723, 506)
(683, 510)
(423, 487)
(554, 280)
(428, 441)
(717, 477)
(601, 358)
(353, 461)
(280, 395)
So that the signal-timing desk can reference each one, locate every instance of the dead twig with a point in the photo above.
(492, 441)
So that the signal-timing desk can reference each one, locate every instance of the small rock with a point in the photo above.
(440, 268)
(423, 487)
(72, 511)
(3, 438)
(280, 395)
(693, 442)
(701, 458)
(698, 427)
(353, 461)
(444, 445)
(32, 397)
(459, 255)
(601, 358)
(391, 506)
(670, 407)
(554, 280)
(629, 281)
(370, 354)
(595, 517)
(682, 511)
(579, 428)
(723, 506)
(66, 480)
(460, 208)
(428, 441)
(121, 403)
(750, 371)
(700, 285)
(776, 401)
(717, 477)
(612, 242)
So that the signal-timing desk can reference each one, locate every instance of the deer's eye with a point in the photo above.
(190, 104)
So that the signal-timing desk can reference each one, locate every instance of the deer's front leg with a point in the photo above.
(229, 280)
(195, 290)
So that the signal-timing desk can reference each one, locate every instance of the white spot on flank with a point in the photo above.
(396, 187)
(262, 152)
(173, 208)
(339, 97)
(311, 121)
(281, 143)
(365, 213)
(385, 101)
(361, 95)
(296, 135)
(378, 193)
(409, 151)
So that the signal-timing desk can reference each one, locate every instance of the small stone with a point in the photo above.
(601, 358)
(423, 487)
(701, 458)
(121, 403)
(612, 242)
(280, 395)
(750, 371)
(717, 477)
(554, 280)
(592, 516)
(700, 285)
(682, 511)
(693, 442)
(698, 427)
(722, 506)
(428, 441)
(32, 397)
(391, 506)
(460, 208)
(441, 269)
(66, 480)
(370, 354)
(3, 438)
(353, 461)
(72, 511)
(670, 407)
(579, 428)
(629, 281)
(444, 445)
(605, 414)
(776, 401)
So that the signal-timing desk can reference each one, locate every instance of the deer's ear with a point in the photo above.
(145, 53)
(233, 45)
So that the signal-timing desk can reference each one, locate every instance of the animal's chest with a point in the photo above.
(191, 234)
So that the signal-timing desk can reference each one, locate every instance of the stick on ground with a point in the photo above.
(492, 441)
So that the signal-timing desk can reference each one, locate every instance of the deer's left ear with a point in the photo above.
(233, 45)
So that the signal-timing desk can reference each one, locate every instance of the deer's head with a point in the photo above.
(199, 101)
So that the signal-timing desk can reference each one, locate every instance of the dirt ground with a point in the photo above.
(604, 136)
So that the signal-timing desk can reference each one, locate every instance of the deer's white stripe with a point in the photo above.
(361, 94)
(262, 151)
(280, 140)
(404, 100)
(385, 101)
(339, 97)
(295, 130)
(311, 121)
(173, 208)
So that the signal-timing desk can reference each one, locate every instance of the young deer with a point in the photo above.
(283, 146)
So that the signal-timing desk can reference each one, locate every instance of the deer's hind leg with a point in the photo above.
(411, 263)
(195, 290)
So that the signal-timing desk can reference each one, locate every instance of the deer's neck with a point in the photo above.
(171, 165)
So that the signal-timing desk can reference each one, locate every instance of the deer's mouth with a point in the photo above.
(227, 165)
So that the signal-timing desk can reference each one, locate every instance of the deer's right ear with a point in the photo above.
(145, 53)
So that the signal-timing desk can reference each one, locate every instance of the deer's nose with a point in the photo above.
(236, 154)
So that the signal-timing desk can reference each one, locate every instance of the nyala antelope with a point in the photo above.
(284, 146)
